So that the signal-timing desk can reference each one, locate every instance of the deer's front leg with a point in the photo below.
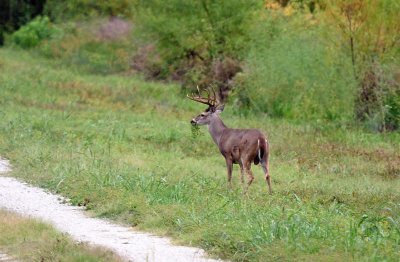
(241, 172)
(229, 165)
(247, 167)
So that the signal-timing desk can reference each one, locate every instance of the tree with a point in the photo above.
(370, 32)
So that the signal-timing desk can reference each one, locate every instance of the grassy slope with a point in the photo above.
(124, 148)
(30, 240)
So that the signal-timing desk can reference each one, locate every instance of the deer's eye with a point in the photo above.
(203, 115)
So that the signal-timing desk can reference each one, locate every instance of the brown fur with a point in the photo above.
(238, 146)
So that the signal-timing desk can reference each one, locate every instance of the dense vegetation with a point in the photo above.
(92, 102)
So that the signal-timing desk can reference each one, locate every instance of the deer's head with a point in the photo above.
(213, 109)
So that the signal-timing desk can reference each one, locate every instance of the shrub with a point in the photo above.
(33, 33)
(378, 99)
(193, 36)
(392, 106)
(14, 14)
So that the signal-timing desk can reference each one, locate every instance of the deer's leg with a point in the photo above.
(265, 167)
(241, 172)
(250, 176)
(229, 165)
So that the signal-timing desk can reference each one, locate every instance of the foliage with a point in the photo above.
(370, 32)
(81, 9)
(124, 148)
(211, 28)
(309, 4)
(33, 33)
(192, 35)
(15, 13)
(292, 73)
(392, 106)
(369, 29)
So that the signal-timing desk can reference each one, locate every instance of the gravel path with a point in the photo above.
(6, 258)
(132, 245)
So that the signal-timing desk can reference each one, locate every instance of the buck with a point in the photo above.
(238, 146)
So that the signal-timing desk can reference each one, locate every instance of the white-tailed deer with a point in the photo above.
(238, 146)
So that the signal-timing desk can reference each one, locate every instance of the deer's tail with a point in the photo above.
(262, 151)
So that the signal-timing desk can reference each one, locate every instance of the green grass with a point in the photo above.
(26, 239)
(124, 148)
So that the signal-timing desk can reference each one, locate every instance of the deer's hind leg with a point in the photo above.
(249, 173)
(265, 167)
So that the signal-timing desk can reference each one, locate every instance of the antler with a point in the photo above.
(210, 101)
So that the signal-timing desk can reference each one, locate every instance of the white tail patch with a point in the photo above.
(259, 149)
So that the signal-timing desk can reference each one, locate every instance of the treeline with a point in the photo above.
(301, 59)
(14, 14)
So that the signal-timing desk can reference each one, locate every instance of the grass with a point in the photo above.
(124, 148)
(29, 240)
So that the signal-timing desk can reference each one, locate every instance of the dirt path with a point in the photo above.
(132, 245)
(6, 258)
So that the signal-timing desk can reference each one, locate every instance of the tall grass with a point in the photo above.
(124, 149)
(294, 73)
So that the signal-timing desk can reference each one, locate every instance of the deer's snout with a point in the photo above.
(193, 122)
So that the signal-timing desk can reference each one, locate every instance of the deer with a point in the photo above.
(237, 146)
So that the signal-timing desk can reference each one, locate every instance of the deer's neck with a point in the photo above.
(216, 128)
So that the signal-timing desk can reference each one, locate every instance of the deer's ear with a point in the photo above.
(219, 109)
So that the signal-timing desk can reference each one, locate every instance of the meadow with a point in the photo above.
(123, 147)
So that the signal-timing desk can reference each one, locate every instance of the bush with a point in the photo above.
(193, 36)
(378, 99)
(392, 106)
(206, 28)
(14, 14)
(33, 33)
